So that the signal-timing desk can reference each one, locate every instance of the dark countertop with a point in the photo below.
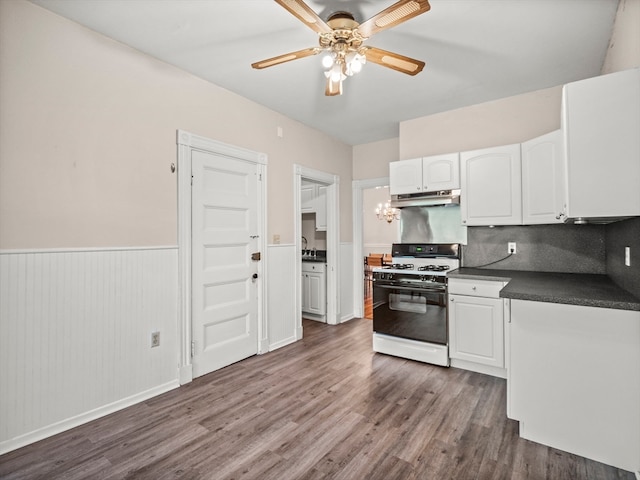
(314, 259)
(570, 288)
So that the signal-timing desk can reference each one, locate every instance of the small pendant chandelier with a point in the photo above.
(387, 212)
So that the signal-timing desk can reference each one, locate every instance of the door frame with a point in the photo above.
(358, 186)
(187, 142)
(333, 247)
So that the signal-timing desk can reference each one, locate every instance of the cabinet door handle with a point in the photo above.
(473, 288)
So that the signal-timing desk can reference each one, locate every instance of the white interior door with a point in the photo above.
(224, 275)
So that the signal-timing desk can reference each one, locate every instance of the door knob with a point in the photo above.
(255, 275)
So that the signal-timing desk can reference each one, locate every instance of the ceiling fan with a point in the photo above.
(342, 40)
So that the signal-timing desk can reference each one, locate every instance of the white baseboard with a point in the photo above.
(282, 343)
(69, 423)
(479, 368)
(346, 318)
(185, 374)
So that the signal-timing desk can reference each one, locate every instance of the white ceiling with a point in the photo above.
(475, 51)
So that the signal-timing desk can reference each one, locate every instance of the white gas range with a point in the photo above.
(410, 302)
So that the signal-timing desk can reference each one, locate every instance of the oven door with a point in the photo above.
(411, 313)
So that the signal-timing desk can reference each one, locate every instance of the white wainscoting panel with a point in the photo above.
(347, 300)
(75, 336)
(281, 288)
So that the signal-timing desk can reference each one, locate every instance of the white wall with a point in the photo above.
(377, 235)
(88, 134)
(624, 47)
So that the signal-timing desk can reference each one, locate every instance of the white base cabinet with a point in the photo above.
(314, 289)
(476, 325)
(573, 379)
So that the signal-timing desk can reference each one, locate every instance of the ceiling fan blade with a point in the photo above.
(287, 57)
(394, 15)
(333, 88)
(398, 62)
(306, 15)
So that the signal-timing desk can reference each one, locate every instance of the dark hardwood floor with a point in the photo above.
(326, 407)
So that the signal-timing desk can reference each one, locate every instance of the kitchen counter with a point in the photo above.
(314, 259)
(569, 288)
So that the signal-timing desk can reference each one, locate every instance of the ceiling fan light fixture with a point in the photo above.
(341, 39)
(328, 60)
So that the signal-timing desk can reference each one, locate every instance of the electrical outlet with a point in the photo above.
(627, 256)
(155, 339)
(511, 246)
(276, 238)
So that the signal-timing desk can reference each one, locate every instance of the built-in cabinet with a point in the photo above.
(426, 174)
(573, 380)
(600, 123)
(491, 192)
(543, 180)
(314, 289)
(313, 199)
(476, 325)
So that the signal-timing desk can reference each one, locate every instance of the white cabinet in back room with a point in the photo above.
(491, 186)
(543, 182)
(600, 123)
(426, 174)
(314, 290)
(476, 325)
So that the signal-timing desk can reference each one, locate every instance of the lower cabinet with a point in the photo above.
(574, 381)
(476, 326)
(314, 288)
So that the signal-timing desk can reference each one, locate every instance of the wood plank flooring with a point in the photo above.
(325, 407)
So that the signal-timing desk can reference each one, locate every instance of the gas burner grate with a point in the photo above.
(433, 268)
(401, 266)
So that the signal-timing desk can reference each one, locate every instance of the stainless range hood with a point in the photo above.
(428, 199)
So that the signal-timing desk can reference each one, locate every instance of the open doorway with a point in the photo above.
(320, 188)
(370, 236)
(378, 235)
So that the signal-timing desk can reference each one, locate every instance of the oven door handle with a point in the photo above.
(412, 289)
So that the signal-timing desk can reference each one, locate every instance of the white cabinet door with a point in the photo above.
(321, 209)
(308, 195)
(543, 179)
(317, 295)
(441, 172)
(305, 292)
(600, 122)
(314, 288)
(476, 330)
(405, 177)
(491, 186)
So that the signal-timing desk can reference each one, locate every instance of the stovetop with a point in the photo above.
(416, 263)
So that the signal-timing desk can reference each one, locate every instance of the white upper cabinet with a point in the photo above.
(321, 209)
(427, 174)
(491, 186)
(543, 180)
(601, 125)
(308, 195)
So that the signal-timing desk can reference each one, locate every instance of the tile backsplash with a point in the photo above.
(618, 236)
(544, 248)
(560, 248)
